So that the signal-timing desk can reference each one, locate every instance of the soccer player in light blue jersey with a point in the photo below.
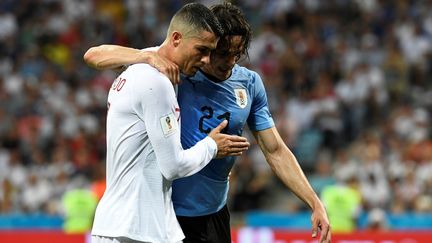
(221, 90)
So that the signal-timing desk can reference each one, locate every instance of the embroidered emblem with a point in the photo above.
(168, 124)
(241, 97)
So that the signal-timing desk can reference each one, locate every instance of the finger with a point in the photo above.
(237, 150)
(163, 69)
(235, 154)
(235, 138)
(159, 67)
(176, 74)
(328, 238)
(221, 126)
(314, 230)
(325, 234)
(172, 77)
(239, 145)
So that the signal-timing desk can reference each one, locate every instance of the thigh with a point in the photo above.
(213, 228)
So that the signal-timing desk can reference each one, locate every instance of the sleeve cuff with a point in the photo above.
(212, 146)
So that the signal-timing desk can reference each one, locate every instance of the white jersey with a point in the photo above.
(144, 155)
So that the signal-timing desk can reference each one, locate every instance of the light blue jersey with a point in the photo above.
(205, 104)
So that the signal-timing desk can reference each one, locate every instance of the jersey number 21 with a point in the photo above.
(208, 114)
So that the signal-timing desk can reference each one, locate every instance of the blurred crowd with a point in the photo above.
(348, 84)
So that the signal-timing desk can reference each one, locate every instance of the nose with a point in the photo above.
(206, 59)
(231, 60)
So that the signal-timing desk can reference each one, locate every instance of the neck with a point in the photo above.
(210, 76)
(165, 51)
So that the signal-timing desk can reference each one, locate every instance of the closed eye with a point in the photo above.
(204, 51)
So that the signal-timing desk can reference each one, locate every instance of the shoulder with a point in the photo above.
(140, 70)
(145, 76)
(244, 73)
(252, 80)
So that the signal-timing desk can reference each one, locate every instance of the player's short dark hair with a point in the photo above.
(199, 17)
(233, 22)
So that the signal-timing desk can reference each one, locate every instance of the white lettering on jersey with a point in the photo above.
(169, 124)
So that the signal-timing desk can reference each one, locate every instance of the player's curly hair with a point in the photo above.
(233, 22)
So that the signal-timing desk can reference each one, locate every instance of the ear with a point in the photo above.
(176, 38)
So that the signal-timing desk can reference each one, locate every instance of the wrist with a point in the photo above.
(316, 203)
(212, 145)
(144, 56)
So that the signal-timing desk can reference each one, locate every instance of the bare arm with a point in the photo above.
(113, 56)
(285, 166)
(116, 57)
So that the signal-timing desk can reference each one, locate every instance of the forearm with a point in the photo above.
(194, 159)
(285, 166)
(174, 162)
(156, 102)
(113, 56)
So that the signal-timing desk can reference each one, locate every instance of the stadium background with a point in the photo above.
(348, 84)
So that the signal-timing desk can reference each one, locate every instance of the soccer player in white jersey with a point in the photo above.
(222, 90)
(144, 153)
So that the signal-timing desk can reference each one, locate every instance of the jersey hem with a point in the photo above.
(136, 237)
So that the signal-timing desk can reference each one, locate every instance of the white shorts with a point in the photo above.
(103, 239)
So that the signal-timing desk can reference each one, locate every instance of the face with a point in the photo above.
(227, 54)
(195, 52)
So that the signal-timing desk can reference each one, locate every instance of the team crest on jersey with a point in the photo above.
(168, 124)
(241, 97)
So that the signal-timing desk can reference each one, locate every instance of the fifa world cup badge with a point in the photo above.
(168, 124)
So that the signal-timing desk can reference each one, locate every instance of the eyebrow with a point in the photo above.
(206, 47)
(228, 52)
